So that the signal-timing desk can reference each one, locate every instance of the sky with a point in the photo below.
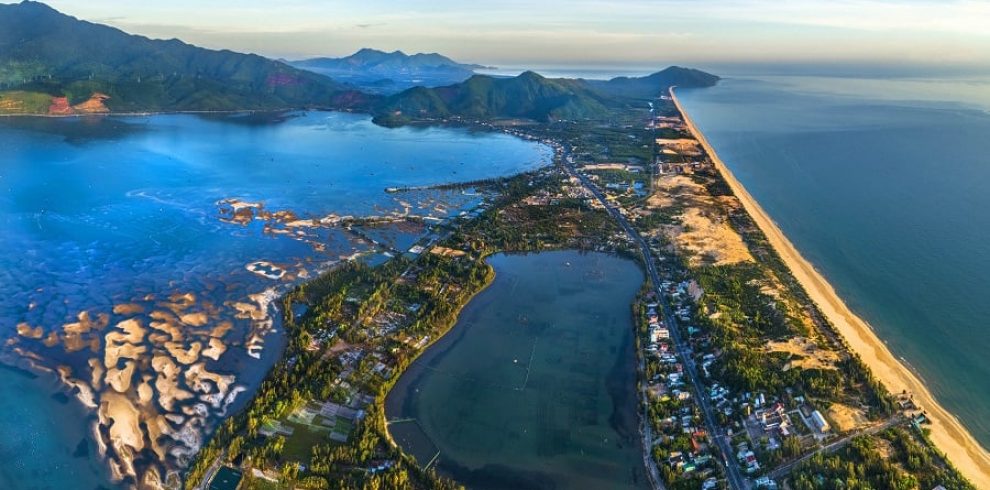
(930, 34)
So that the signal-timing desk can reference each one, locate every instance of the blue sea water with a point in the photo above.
(884, 185)
(97, 212)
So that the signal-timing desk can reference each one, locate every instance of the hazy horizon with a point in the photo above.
(881, 36)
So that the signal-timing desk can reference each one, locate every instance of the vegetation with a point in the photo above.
(895, 459)
(45, 52)
(532, 96)
(650, 86)
(424, 296)
(380, 72)
(528, 95)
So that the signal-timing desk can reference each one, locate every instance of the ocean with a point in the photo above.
(883, 185)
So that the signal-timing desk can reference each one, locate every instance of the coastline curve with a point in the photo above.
(947, 432)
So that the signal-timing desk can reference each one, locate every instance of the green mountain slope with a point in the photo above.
(372, 62)
(45, 52)
(532, 96)
(652, 85)
(529, 96)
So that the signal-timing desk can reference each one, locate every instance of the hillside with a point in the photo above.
(46, 55)
(652, 85)
(381, 64)
(379, 71)
(528, 95)
(532, 96)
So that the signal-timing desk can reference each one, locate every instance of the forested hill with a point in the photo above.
(372, 62)
(533, 96)
(45, 54)
(656, 83)
(51, 63)
(529, 95)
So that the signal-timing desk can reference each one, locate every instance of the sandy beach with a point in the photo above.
(948, 434)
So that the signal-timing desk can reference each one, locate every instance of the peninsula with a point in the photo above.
(947, 433)
(731, 363)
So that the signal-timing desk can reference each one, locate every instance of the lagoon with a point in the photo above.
(535, 386)
(166, 238)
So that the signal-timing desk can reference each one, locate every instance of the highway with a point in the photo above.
(734, 476)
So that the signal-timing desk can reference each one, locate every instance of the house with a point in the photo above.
(765, 482)
(820, 423)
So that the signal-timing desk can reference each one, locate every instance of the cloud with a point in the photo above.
(595, 31)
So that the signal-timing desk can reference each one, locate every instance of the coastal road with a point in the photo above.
(733, 474)
(785, 469)
(211, 472)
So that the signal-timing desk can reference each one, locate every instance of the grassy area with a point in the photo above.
(299, 446)
(23, 102)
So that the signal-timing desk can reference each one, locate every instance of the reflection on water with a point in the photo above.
(141, 256)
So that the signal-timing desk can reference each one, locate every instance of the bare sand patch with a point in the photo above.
(120, 379)
(124, 422)
(680, 146)
(84, 391)
(167, 382)
(197, 319)
(808, 355)
(709, 240)
(167, 323)
(704, 231)
(215, 349)
(96, 371)
(25, 330)
(183, 354)
(128, 309)
(447, 252)
(846, 418)
(221, 329)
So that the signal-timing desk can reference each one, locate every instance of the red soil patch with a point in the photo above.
(94, 105)
(60, 106)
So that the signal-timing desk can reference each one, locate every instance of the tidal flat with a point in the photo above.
(142, 257)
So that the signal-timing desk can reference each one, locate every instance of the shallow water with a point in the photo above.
(884, 185)
(129, 212)
(535, 387)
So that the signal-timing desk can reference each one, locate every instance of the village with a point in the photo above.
(760, 435)
(706, 422)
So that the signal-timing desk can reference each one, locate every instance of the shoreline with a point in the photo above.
(489, 280)
(169, 113)
(947, 432)
(457, 473)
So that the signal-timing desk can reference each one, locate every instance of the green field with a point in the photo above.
(21, 102)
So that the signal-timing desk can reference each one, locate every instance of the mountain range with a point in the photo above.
(532, 96)
(383, 72)
(43, 51)
(372, 62)
(51, 63)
